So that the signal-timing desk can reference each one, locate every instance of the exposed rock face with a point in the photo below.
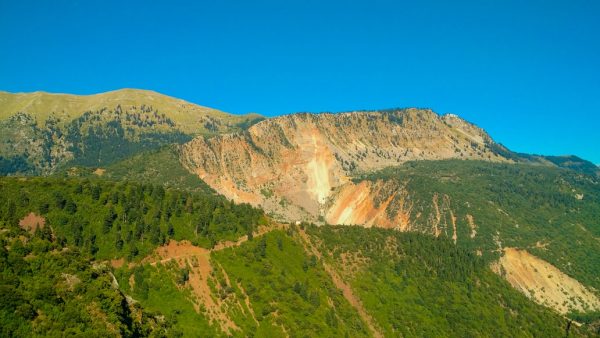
(380, 203)
(299, 165)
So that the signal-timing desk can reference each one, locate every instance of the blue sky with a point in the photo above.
(526, 71)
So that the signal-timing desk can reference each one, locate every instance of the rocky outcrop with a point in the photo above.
(300, 166)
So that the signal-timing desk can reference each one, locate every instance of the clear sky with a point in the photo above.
(526, 71)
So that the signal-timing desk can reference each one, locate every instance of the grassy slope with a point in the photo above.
(288, 293)
(42, 105)
(40, 132)
(289, 289)
(163, 295)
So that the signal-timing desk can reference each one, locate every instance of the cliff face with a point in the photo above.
(300, 165)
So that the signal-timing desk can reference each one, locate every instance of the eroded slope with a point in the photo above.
(290, 165)
(544, 283)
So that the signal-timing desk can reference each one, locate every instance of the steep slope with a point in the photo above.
(545, 283)
(40, 132)
(417, 286)
(291, 164)
(158, 166)
(487, 207)
(329, 168)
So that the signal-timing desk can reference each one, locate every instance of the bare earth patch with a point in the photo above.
(201, 271)
(544, 283)
(32, 222)
(472, 225)
(355, 204)
(117, 263)
(197, 260)
(99, 171)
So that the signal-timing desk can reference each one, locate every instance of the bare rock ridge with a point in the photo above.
(300, 166)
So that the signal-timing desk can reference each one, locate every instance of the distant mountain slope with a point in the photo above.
(574, 163)
(413, 170)
(40, 132)
(188, 117)
(159, 166)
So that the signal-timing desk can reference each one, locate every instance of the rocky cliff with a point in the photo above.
(301, 165)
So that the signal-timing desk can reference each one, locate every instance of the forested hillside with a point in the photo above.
(110, 220)
(159, 167)
(48, 289)
(197, 265)
(419, 286)
(116, 227)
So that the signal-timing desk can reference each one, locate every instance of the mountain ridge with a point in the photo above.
(322, 151)
(459, 201)
(41, 132)
(41, 104)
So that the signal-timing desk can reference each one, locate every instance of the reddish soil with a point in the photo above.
(202, 270)
(198, 261)
(32, 222)
(354, 204)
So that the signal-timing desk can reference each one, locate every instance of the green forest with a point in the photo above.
(519, 205)
(419, 286)
(110, 220)
(58, 279)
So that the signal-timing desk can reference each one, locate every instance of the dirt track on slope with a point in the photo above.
(201, 270)
(343, 286)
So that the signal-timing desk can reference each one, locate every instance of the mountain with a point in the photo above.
(194, 222)
(188, 117)
(40, 132)
(414, 170)
(291, 165)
